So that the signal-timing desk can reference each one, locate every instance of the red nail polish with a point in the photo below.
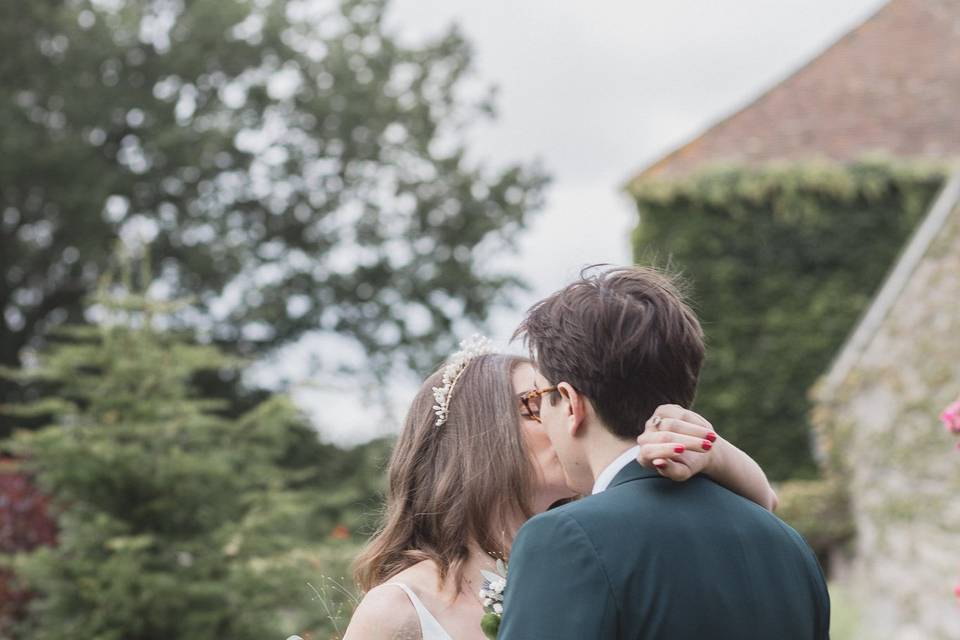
(712, 437)
(707, 446)
(659, 466)
(679, 449)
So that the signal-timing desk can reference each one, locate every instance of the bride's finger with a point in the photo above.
(654, 455)
(649, 454)
(672, 469)
(667, 426)
(700, 440)
(677, 412)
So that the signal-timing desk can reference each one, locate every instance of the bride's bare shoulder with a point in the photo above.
(384, 612)
(387, 612)
(423, 577)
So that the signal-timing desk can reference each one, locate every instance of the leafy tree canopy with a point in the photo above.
(292, 165)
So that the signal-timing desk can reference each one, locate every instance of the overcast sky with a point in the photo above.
(596, 91)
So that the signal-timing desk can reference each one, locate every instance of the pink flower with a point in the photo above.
(951, 417)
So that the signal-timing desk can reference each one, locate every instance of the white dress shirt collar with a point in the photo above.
(610, 472)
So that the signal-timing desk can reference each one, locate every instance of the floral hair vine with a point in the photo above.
(474, 346)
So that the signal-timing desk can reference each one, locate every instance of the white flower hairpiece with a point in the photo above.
(475, 345)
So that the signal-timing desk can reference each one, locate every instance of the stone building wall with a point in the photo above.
(878, 428)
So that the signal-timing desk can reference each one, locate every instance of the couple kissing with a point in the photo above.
(613, 510)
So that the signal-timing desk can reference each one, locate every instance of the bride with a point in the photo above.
(471, 465)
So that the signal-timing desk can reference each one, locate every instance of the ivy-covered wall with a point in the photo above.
(782, 262)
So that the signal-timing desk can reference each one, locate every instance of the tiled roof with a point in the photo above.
(892, 86)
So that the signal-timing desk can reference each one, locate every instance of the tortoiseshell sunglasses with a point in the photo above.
(530, 402)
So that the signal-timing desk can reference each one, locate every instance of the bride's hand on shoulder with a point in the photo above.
(680, 443)
(677, 443)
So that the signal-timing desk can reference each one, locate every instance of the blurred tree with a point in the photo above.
(175, 522)
(292, 165)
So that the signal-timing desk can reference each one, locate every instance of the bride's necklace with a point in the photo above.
(474, 589)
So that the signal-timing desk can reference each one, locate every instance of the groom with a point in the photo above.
(643, 556)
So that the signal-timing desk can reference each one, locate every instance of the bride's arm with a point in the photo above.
(740, 473)
(680, 443)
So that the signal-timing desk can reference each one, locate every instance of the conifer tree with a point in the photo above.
(174, 521)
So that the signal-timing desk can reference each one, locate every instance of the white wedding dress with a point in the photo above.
(430, 629)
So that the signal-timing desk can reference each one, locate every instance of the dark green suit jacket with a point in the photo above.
(652, 558)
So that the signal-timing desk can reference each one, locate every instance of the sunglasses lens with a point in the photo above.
(533, 405)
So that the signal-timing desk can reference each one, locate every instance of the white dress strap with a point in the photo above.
(430, 629)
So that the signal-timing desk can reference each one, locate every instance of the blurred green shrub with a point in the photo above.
(820, 511)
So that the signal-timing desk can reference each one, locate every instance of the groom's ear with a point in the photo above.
(574, 408)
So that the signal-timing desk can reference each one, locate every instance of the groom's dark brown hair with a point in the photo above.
(623, 337)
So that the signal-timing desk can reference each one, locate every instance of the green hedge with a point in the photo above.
(820, 511)
(782, 261)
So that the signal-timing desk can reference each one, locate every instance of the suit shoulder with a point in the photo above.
(606, 507)
(802, 546)
(546, 523)
(555, 529)
(581, 522)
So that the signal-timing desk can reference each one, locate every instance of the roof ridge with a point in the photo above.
(653, 167)
(888, 84)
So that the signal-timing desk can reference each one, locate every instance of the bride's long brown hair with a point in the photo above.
(459, 483)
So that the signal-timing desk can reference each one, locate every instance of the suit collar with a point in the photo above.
(631, 472)
(611, 470)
